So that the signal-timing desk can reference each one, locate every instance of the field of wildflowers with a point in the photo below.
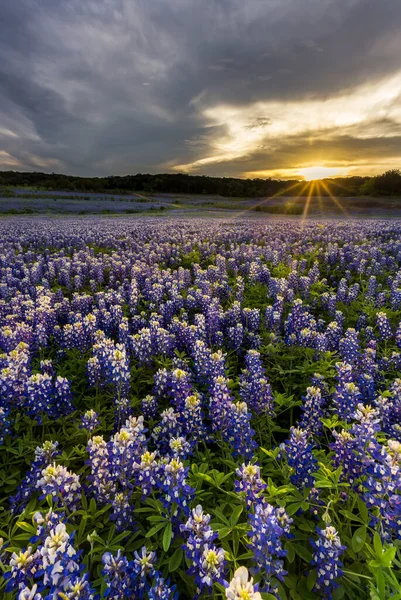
(200, 409)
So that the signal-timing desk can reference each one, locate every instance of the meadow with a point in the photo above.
(200, 408)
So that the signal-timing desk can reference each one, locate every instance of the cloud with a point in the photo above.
(94, 87)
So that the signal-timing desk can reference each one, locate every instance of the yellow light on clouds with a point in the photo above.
(311, 173)
(263, 126)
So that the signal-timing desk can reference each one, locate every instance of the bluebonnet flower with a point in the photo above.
(26, 593)
(333, 335)
(382, 487)
(62, 404)
(179, 447)
(345, 399)
(119, 576)
(389, 408)
(149, 406)
(239, 432)
(326, 558)
(313, 411)
(173, 485)
(231, 419)
(383, 326)
(94, 371)
(298, 450)
(169, 427)
(241, 587)
(125, 447)
(55, 564)
(207, 561)
(102, 479)
(144, 562)
(38, 393)
(211, 567)
(349, 346)
(249, 482)
(121, 510)
(24, 566)
(235, 336)
(90, 420)
(268, 526)
(398, 336)
(254, 387)
(77, 588)
(161, 589)
(147, 472)
(6, 423)
(367, 386)
(192, 420)
(197, 531)
(62, 485)
(44, 455)
(180, 382)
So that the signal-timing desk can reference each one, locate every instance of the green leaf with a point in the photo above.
(311, 580)
(363, 511)
(291, 509)
(154, 529)
(175, 560)
(235, 515)
(224, 531)
(167, 535)
(378, 546)
(302, 552)
(358, 539)
(26, 527)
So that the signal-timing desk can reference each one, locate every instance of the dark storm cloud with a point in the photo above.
(117, 86)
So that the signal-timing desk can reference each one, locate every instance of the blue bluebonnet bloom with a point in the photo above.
(298, 450)
(6, 423)
(313, 411)
(193, 420)
(170, 426)
(347, 395)
(326, 558)
(119, 575)
(207, 561)
(249, 482)
(349, 346)
(44, 455)
(90, 421)
(382, 486)
(389, 408)
(55, 565)
(62, 485)
(174, 487)
(147, 471)
(383, 326)
(231, 419)
(254, 387)
(161, 589)
(149, 406)
(269, 526)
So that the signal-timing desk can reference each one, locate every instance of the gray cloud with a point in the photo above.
(117, 86)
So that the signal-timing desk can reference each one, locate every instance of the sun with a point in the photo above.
(319, 172)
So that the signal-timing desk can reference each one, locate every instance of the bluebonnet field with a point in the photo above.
(200, 409)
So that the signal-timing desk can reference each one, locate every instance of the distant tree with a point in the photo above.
(368, 187)
(389, 182)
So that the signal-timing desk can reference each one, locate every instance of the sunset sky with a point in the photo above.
(247, 88)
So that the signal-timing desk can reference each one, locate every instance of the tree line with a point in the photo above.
(386, 184)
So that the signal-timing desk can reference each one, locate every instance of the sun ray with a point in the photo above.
(335, 200)
(306, 208)
(261, 202)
